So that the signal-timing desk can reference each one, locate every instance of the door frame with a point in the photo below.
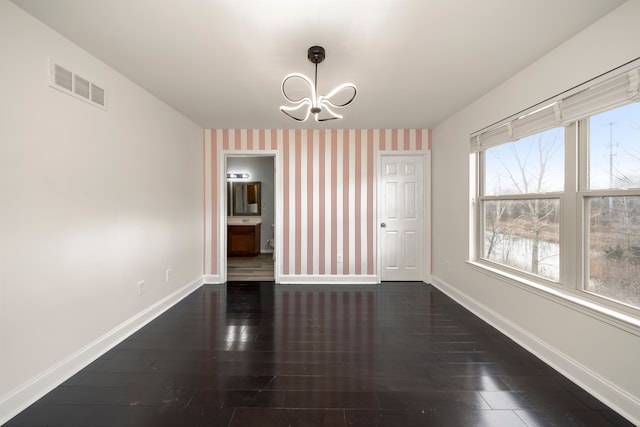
(426, 169)
(222, 206)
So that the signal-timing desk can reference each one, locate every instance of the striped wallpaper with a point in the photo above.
(328, 195)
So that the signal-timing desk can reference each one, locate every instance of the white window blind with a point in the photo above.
(613, 93)
(611, 90)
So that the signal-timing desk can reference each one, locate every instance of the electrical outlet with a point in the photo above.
(140, 287)
(339, 258)
(167, 274)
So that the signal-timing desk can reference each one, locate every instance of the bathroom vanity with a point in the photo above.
(243, 237)
(244, 206)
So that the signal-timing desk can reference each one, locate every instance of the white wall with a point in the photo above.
(91, 202)
(602, 357)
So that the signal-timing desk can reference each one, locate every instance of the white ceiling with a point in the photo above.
(415, 62)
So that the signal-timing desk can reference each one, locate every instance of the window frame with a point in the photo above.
(480, 198)
(574, 220)
(514, 197)
(584, 193)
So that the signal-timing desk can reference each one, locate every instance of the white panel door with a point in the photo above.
(401, 215)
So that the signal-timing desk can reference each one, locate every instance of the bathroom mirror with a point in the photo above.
(244, 199)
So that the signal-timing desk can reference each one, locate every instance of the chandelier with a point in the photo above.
(321, 106)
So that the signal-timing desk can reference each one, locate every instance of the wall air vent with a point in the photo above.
(72, 84)
(97, 94)
(63, 78)
(81, 86)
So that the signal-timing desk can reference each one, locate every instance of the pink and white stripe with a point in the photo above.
(328, 189)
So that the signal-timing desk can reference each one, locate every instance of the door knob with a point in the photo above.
(383, 225)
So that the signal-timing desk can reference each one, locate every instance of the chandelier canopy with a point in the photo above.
(321, 106)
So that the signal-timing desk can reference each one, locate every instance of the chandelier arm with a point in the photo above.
(327, 97)
(301, 104)
(294, 117)
(303, 78)
(333, 115)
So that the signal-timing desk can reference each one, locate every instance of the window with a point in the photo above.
(558, 191)
(612, 205)
(614, 148)
(520, 221)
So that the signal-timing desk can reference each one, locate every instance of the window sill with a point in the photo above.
(621, 320)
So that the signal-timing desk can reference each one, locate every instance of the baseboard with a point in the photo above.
(328, 279)
(19, 399)
(616, 398)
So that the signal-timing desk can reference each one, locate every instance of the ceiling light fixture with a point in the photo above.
(318, 105)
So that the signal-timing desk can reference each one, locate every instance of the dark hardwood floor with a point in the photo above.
(258, 354)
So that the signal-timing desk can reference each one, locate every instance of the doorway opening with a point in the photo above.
(250, 200)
